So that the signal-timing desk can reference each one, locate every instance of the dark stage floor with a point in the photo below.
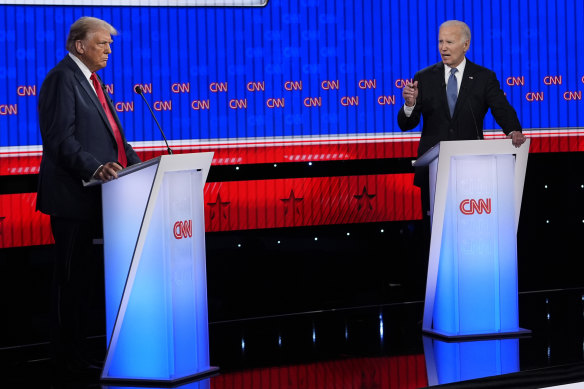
(366, 347)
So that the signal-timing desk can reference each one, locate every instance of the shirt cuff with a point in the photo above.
(408, 110)
(96, 170)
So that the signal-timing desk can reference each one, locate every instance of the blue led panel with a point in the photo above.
(291, 68)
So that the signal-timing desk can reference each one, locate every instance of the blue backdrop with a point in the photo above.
(210, 71)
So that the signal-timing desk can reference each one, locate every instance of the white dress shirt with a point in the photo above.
(84, 69)
(408, 110)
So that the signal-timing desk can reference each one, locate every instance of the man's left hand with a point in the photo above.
(517, 138)
(108, 171)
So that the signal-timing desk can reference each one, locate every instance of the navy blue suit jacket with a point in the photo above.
(77, 139)
(479, 91)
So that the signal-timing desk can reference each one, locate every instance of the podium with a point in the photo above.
(155, 271)
(476, 188)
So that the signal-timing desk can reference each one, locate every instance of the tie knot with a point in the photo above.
(452, 71)
(95, 82)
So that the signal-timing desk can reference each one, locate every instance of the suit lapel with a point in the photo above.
(439, 69)
(466, 85)
(102, 111)
(91, 93)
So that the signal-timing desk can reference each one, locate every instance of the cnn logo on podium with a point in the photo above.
(471, 206)
(183, 229)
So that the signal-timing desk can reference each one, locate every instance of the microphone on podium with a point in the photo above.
(474, 121)
(138, 89)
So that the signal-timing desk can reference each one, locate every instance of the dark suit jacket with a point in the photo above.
(479, 92)
(77, 139)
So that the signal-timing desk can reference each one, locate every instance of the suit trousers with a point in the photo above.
(76, 262)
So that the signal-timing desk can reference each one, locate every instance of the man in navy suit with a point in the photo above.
(82, 140)
(453, 97)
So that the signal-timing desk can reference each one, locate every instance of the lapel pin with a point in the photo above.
(471, 77)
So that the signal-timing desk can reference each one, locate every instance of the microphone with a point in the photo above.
(138, 89)
(474, 120)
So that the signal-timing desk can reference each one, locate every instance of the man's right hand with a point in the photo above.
(108, 171)
(410, 93)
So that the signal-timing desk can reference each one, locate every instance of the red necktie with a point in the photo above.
(121, 150)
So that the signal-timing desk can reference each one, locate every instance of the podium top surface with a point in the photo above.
(471, 147)
(173, 162)
(139, 166)
(126, 171)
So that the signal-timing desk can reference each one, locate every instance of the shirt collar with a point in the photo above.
(460, 68)
(84, 69)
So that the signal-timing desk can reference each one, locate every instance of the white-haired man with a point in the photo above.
(453, 97)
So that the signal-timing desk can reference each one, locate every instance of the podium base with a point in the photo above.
(448, 336)
(213, 370)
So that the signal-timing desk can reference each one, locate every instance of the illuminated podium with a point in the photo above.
(155, 271)
(475, 198)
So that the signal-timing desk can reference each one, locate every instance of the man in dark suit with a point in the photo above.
(453, 97)
(82, 140)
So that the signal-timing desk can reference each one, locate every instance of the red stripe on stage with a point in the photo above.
(27, 162)
(21, 224)
(404, 371)
(240, 205)
(244, 205)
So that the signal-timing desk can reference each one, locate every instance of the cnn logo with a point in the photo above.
(471, 206)
(183, 229)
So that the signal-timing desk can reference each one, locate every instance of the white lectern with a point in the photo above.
(475, 200)
(155, 271)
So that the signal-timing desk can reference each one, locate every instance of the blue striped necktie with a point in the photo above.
(452, 91)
